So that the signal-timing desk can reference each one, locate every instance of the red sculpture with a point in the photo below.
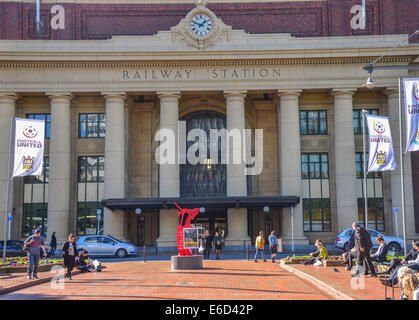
(185, 222)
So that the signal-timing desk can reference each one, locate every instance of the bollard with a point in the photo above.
(247, 252)
(156, 248)
(144, 254)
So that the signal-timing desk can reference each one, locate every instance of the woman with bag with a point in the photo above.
(69, 254)
(218, 241)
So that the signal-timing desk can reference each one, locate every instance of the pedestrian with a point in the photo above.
(33, 243)
(206, 243)
(69, 254)
(318, 256)
(260, 246)
(363, 246)
(411, 256)
(273, 244)
(53, 243)
(218, 242)
(349, 254)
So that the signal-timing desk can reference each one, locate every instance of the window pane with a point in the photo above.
(312, 122)
(82, 169)
(92, 163)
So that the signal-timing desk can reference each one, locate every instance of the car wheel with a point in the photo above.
(394, 246)
(121, 253)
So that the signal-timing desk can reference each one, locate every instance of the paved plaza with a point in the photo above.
(220, 279)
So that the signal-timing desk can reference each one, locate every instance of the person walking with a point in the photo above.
(218, 242)
(273, 244)
(363, 245)
(69, 254)
(206, 243)
(260, 246)
(53, 243)
(33, 243)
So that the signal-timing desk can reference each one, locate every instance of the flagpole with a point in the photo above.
(364, 145)
(402, 165)
(9, 181)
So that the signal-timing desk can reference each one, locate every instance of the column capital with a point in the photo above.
(291, 92)
(59, 95)
(168, 94)
(118, 94)
(235, 93)
(343, 92)
(392, 91)
(10, 96)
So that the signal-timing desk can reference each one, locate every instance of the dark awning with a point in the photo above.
(250, 202)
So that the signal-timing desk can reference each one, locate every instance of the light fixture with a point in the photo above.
(209, 162)
(202, 210)
(138, 210)
(266, 208)
(370, 82)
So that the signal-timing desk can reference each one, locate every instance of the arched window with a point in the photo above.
(209, 179)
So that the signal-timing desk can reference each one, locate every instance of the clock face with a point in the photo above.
(201, 24)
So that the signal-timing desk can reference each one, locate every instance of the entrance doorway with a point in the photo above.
(141, 231)
(213, 221)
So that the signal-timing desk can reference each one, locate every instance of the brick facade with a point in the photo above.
(301, 19)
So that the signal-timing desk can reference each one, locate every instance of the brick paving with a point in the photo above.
(341, 281)
(220, 279)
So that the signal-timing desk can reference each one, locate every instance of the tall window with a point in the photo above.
(92, 125)
(357, 116)
(315, 191)
(313, 122)
(374, 192)
(42, 116)
(91, 171)
(209, 179)
(35, 202)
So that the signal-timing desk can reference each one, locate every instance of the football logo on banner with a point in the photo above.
(411, 97)
(28, 147)
(381, 154)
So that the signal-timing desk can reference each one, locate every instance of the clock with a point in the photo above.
(201, 24)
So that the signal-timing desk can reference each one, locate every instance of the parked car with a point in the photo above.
(99, 245)
(342, 240)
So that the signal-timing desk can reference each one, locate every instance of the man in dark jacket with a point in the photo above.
(207, 243)
(411, 255)
(363, 246)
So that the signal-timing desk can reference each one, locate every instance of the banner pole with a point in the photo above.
(9, 181)
(365, 168)
(402, 165)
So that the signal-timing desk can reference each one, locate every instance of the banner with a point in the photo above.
(381, 154)
(411, 97)
(28, 147)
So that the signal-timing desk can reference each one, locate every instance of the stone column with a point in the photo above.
(169, 173)
(114, 186)
(290, 164)
(346, 199)
(236, 178)
(59, 167)
(396, 196)
(7, 111)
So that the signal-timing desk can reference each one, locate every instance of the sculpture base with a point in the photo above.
(187, 262)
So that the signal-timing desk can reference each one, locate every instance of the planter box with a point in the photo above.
(295, 261)
(23, 269)
(333, 263)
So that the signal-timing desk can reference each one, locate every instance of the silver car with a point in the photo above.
(99, 245)
(394, 243)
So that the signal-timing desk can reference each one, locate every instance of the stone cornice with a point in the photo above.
(199, 63)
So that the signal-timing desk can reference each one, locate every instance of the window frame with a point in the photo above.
(318, 123)
(86, 122)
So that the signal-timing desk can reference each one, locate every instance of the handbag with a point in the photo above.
(201, 249)
(318, 263)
